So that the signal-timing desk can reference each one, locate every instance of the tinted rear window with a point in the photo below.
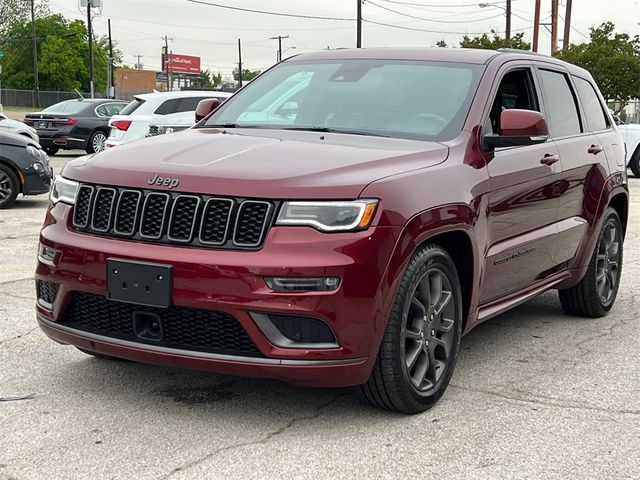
(561, 105)
(132, 107)
(69, 107)
(596, 119)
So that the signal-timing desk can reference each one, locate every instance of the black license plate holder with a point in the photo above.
(140, 283)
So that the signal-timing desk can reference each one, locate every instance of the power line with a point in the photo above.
(369, 2)
(265, 12)
(436, 31)
(435, 5)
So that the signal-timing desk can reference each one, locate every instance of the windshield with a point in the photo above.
(68, 106)
(404, 99)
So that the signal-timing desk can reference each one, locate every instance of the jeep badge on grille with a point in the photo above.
(163, 181)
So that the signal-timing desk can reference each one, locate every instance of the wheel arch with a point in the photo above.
(620, 203)
(15, 170)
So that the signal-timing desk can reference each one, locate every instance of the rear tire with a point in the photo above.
(51, 151)
(9, 187)
(596, 293)
(422, 338)
(96, 143)
(634, 164)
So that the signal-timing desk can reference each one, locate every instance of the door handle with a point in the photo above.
(595, 149)
(549, 159)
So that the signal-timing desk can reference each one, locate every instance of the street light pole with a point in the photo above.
(507, 11)
(35, 54)
(90, 37)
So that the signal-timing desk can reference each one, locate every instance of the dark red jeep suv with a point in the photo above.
(343, 220)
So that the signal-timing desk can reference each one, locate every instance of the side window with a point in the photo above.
(189, 104)
(561, 105)
(102, 111)
(167, 107)
(515, 91)
(593, 110)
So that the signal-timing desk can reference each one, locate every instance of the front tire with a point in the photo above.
(96, 142)
(9, 187)
(421, 342)
(596, 293)
(51, 151)
(634, 164)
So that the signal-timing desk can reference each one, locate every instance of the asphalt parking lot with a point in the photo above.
(536, 394)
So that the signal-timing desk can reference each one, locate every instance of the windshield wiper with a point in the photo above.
(335, 130)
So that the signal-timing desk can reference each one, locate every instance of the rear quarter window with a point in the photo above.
(132, 107)
(593, 109)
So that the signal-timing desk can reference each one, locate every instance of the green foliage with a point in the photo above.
(13, 12)
(612, 58)
(441, 44)
(210, 79)
(246, 74)
(494, 42)
(63, 55)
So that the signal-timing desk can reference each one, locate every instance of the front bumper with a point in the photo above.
(66, 138)
(232, 282)
(37, 183)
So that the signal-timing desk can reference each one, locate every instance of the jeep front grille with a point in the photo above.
(175, 218)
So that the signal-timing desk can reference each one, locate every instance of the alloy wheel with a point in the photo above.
(6, 186)
(608, 262)
(98, 142)
(428, 331)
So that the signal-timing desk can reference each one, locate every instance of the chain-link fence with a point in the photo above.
(29, 98)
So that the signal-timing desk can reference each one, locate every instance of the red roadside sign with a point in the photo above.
(182, 64)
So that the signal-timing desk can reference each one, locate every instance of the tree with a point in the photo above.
(495, 42)
(612, 58)
(63, 57)
(210, 79)
(246, 74)
(13, 12)
(441, 44)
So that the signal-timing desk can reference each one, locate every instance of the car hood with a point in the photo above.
(16, 140)
(258, 163)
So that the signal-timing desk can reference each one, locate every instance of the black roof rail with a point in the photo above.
(517, 50)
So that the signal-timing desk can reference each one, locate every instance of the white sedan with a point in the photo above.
(14, 126)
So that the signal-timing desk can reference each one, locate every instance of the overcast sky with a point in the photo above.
(211, 33)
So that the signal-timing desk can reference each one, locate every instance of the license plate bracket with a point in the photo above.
(140, 283)
(43, 124)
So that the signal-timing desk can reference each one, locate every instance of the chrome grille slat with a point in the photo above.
(183, 218)
(152, 216)
(103, 209)
(81, 213)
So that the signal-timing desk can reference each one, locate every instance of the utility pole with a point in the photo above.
(138, 64)
(167, 62)
(567, 26)
(111, 92)
(536, 26)
(36, 77)
(554, 26)
(359, 25)
(279, 38)
(508, 29)
(239, 64)
(90, 38)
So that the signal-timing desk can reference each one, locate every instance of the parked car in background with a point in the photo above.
(174, 122)
(75, 124)
(134, 120)
(24, 168)
(14, 126)
(352, 239)
(631, 134)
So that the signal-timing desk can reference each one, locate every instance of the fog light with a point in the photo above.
(302, 284)
(47, 253)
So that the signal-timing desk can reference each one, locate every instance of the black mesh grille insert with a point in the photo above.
(83, 206)
(153, 215)
(215, 220)
(183, 217)
(47, 291)
(102, 209)
(251, 222)
(183, 328)
(303, 329)
(126, 214)
(172, 217)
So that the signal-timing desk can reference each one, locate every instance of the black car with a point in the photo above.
(75, 124)
(24, 168)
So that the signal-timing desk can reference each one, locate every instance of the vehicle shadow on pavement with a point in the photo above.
(506, 341)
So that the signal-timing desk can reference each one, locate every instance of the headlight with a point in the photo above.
(63, 190)
(329, 216)
(37, 153)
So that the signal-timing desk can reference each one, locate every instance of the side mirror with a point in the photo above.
(205, 107)
(518, 128)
